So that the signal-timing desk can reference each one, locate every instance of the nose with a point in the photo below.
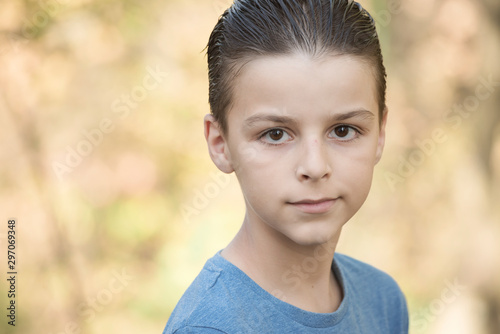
(313, 162)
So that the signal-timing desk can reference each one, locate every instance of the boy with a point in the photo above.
(297, 96)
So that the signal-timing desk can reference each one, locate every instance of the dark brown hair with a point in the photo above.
(252, 28)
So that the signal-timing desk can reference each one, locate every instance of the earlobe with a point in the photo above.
(381, 136)
(217, 147)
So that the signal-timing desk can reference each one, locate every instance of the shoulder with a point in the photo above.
(208, 305)
(360, 272)
(373, 291)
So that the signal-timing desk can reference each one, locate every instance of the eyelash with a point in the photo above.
(358, 132)
(265, 133)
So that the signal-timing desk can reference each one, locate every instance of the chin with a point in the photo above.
(313, 236)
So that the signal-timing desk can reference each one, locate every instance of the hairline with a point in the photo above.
(237, 66)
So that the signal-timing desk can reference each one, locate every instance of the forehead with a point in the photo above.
(302, 85)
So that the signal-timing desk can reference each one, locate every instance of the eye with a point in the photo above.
(275, 136)
(344, 133)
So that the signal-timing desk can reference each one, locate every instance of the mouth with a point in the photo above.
(322, 205)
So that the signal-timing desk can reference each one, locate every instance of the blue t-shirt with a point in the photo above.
(223, 299)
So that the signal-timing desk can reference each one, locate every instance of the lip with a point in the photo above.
(314, 206)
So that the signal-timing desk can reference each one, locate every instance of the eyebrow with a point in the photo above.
(361, 113)
(250, 121)
(280, 119)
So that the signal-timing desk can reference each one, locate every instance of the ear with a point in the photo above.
(217, 146)
(381, 136)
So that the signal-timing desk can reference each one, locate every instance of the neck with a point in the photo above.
(300, 275)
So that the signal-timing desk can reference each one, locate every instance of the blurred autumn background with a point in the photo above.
(104, 165)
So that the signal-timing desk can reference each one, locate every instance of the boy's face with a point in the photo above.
(303, 138)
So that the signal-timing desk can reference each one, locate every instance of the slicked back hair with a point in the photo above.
(253, 28)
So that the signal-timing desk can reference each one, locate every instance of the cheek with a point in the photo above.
(357, 173)
(365, 155)
(255, 156)
(262, 172)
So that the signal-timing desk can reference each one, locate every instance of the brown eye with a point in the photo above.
(276, 134)
(342, 131)
(275, 137)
